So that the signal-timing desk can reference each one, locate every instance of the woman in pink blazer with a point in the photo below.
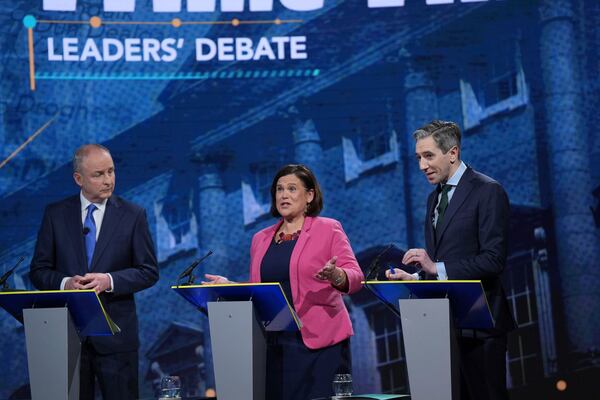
(312, 259)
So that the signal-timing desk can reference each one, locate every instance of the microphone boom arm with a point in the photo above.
(374, 266)
(188, 271)
(8, 273)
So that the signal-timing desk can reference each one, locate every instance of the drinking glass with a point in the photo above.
(342, 385)
(170, 386)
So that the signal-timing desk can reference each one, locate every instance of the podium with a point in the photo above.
(430, 311)
(238, 316)
(54, 321)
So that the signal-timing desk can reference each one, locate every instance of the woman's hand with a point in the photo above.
(215, 280)
(333, 274)
(326, 273)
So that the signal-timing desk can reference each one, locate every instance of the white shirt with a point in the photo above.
(452, 181)
(98, 216)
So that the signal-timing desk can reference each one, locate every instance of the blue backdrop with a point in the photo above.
(201, 101)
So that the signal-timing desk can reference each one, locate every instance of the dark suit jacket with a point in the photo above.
(124, 248)
(472, 240)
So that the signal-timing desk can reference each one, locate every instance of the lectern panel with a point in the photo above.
(467, 298)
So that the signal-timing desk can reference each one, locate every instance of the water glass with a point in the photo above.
(170, 386)
(342, 385)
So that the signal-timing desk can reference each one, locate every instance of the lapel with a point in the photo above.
(300, 244)
(75, 231)
(295, 258)
(262, 248)
(112, 218)
(464, 187)
(429, 231)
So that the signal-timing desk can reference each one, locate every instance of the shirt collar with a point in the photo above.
(85, 203)
(454, 179)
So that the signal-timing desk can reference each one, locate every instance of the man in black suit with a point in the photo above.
(96, 240)
(466, 238)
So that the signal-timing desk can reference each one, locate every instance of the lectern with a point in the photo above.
(55, 321)
(239, 315)
(429, 312)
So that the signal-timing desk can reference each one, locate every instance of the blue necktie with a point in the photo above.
(90, 237)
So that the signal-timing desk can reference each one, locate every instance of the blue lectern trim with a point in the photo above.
(272, 306)
(467, 298)
(79, 303)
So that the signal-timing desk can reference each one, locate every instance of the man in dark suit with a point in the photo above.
(466, 238)
(96, 240)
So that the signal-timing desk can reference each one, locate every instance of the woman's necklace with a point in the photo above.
(285, 237)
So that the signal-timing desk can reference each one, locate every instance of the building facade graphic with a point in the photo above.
(199, 156)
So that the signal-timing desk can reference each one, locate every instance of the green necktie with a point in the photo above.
(443, 204)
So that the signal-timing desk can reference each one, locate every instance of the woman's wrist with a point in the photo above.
(339, 278)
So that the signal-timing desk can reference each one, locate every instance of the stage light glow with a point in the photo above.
(561, 385)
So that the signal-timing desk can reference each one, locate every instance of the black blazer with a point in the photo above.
(124, 248)
(472, 240)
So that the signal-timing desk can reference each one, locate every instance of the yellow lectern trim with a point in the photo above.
(226, 285)
(48, 291)
(114, 328)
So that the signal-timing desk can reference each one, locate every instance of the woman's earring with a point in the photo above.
(306, 209)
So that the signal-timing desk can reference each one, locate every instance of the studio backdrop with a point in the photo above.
(201, 101)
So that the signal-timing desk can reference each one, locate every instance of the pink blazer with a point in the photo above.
(320, 307)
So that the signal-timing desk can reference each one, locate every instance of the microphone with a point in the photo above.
(374, 266)
(8, 273)
(188, 271)
(86, 230)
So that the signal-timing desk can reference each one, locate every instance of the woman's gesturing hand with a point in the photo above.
(215, 279)
(330, 272)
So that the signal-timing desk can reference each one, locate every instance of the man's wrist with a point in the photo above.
(441, 271)
(111, 286)
(64, 281)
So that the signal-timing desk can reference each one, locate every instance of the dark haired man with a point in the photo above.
(466, 230)
(96, 240)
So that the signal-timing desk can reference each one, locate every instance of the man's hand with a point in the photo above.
(399, 275)
(420, 258)
(74, 283)
(98, 282)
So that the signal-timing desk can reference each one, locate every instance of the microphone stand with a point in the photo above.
(7, 274)
(374, 267)
(188, 271)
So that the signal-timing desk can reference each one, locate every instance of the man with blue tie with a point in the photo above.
(96, 240)
(466, 234)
